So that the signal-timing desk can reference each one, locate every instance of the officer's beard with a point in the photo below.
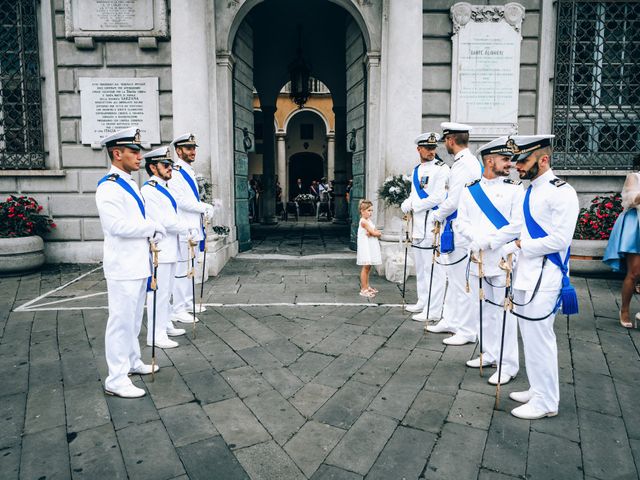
(531, 173)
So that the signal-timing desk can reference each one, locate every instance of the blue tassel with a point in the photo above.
(569, 299)
(446, 239)
(149, 289)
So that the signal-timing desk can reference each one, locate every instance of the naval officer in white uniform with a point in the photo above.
(162, 207)
(550, 210)
(488, 218)
(466, 168)
(428, 189)
(127, 233)
(184, 187)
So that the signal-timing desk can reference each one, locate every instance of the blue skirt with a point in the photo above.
(625, 238)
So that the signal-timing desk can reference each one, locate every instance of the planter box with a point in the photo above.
(21, 255)
(586, 257)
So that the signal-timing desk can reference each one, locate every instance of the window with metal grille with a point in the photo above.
(597, 84)
(21, 134)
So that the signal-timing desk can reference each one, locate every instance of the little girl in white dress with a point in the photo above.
(368, 247)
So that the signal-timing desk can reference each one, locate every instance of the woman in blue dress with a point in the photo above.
(623, 250)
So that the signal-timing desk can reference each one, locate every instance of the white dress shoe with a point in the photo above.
(200, 308)
(521, 397)
(184, 317)
(528, 412)
(175, 332)
(439, 328)
(504, 378)
(456, 340)
(128, 391)
(164, 343)
(420, 317)
(475, 363)
(415, 308)
(143, 369)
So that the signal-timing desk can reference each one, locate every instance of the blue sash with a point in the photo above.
(166, 193)
(416, 183)
(124, 184)
(192, 185)
(488, 208)
(568, 297)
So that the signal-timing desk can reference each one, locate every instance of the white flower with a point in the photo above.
(394, 190)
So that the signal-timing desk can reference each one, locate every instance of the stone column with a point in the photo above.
(340, 151)
(190, 76)
(282, 164)
(268, 201)
(331, 155)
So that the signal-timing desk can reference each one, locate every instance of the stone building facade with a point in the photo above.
(388, 65)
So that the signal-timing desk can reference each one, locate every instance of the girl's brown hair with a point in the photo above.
(364, 204)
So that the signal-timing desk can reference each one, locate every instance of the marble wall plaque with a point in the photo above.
(115, 18)
(486, 67)
(111, 104)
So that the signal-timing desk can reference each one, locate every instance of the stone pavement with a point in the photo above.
(284, 387)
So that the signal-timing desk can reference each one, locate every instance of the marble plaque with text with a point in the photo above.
(111, 104)
(486, 67)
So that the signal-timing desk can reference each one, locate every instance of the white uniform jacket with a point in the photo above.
(434, 175)
(473, 224)
(190, 208)
(554, 206)
(160, 209)
(466, 168)
(126, 231)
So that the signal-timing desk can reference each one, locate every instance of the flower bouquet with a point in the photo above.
(219, 231)
(304, 197)
(21, 217)
(596, 222)
(395, 189)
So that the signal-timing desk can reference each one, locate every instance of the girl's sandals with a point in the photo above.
(373, 290)
(367, 293)
(629, 324)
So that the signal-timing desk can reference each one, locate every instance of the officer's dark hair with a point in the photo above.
(147, 167)
(111, 149)
(461, 139)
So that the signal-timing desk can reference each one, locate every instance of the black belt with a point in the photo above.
(453, 263)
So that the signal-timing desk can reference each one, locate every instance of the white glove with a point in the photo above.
(436, 217)
(192, 235)
(159, 235)
(479, 244)
(406, 206)
(208, 211)
(510, 247)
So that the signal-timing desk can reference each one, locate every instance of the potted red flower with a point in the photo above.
(21, 227)
(592, 232)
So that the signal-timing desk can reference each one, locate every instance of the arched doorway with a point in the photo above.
(307, 166)
(267, 38)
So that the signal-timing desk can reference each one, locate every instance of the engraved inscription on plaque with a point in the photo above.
(486, 67)
(111, 104)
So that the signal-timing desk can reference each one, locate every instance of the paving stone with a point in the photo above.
(15, 378)
(311, 444)
(95, 453)
(366, 345)
(338, 341)
(507, 445)
(566, 424)
(446, 462)
(405, 456)
(596, 392)
(309, 364)
(361, 445)
(344, 408)
(472, 409)
(12, 413)
(339, 371)
(145, 459)
(275, 414)
(125, 412)
(44, 373)
(10, 462)
(605, 447)
(588, 357)
(167, 388)
(208, 386)
(311, 397)
(211, 459)
(329, 472)
(284, 350)
(627, 397)
(187, 424)
(268, 460)
(45, 408)
(259, 358)
(283, 381)
(489, 475)
(446, 377)
(246, 381)
(407, 335)
(78, 368)
(220, 355)
(381, 366)
(187, 359)
(553, 457)
(86, 407)
(235, 422)
(429, 411)
(53, 465)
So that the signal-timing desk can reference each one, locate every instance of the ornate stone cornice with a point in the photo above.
(462, 13)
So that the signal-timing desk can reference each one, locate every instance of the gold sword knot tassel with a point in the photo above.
(153, 248)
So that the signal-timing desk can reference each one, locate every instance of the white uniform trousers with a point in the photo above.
(182, 288)
(540, 349)
(165, 279)
(457, 303)
(492, 324)
(423, 259)
(126, 305)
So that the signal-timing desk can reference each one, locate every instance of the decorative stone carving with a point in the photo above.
(462, 13)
